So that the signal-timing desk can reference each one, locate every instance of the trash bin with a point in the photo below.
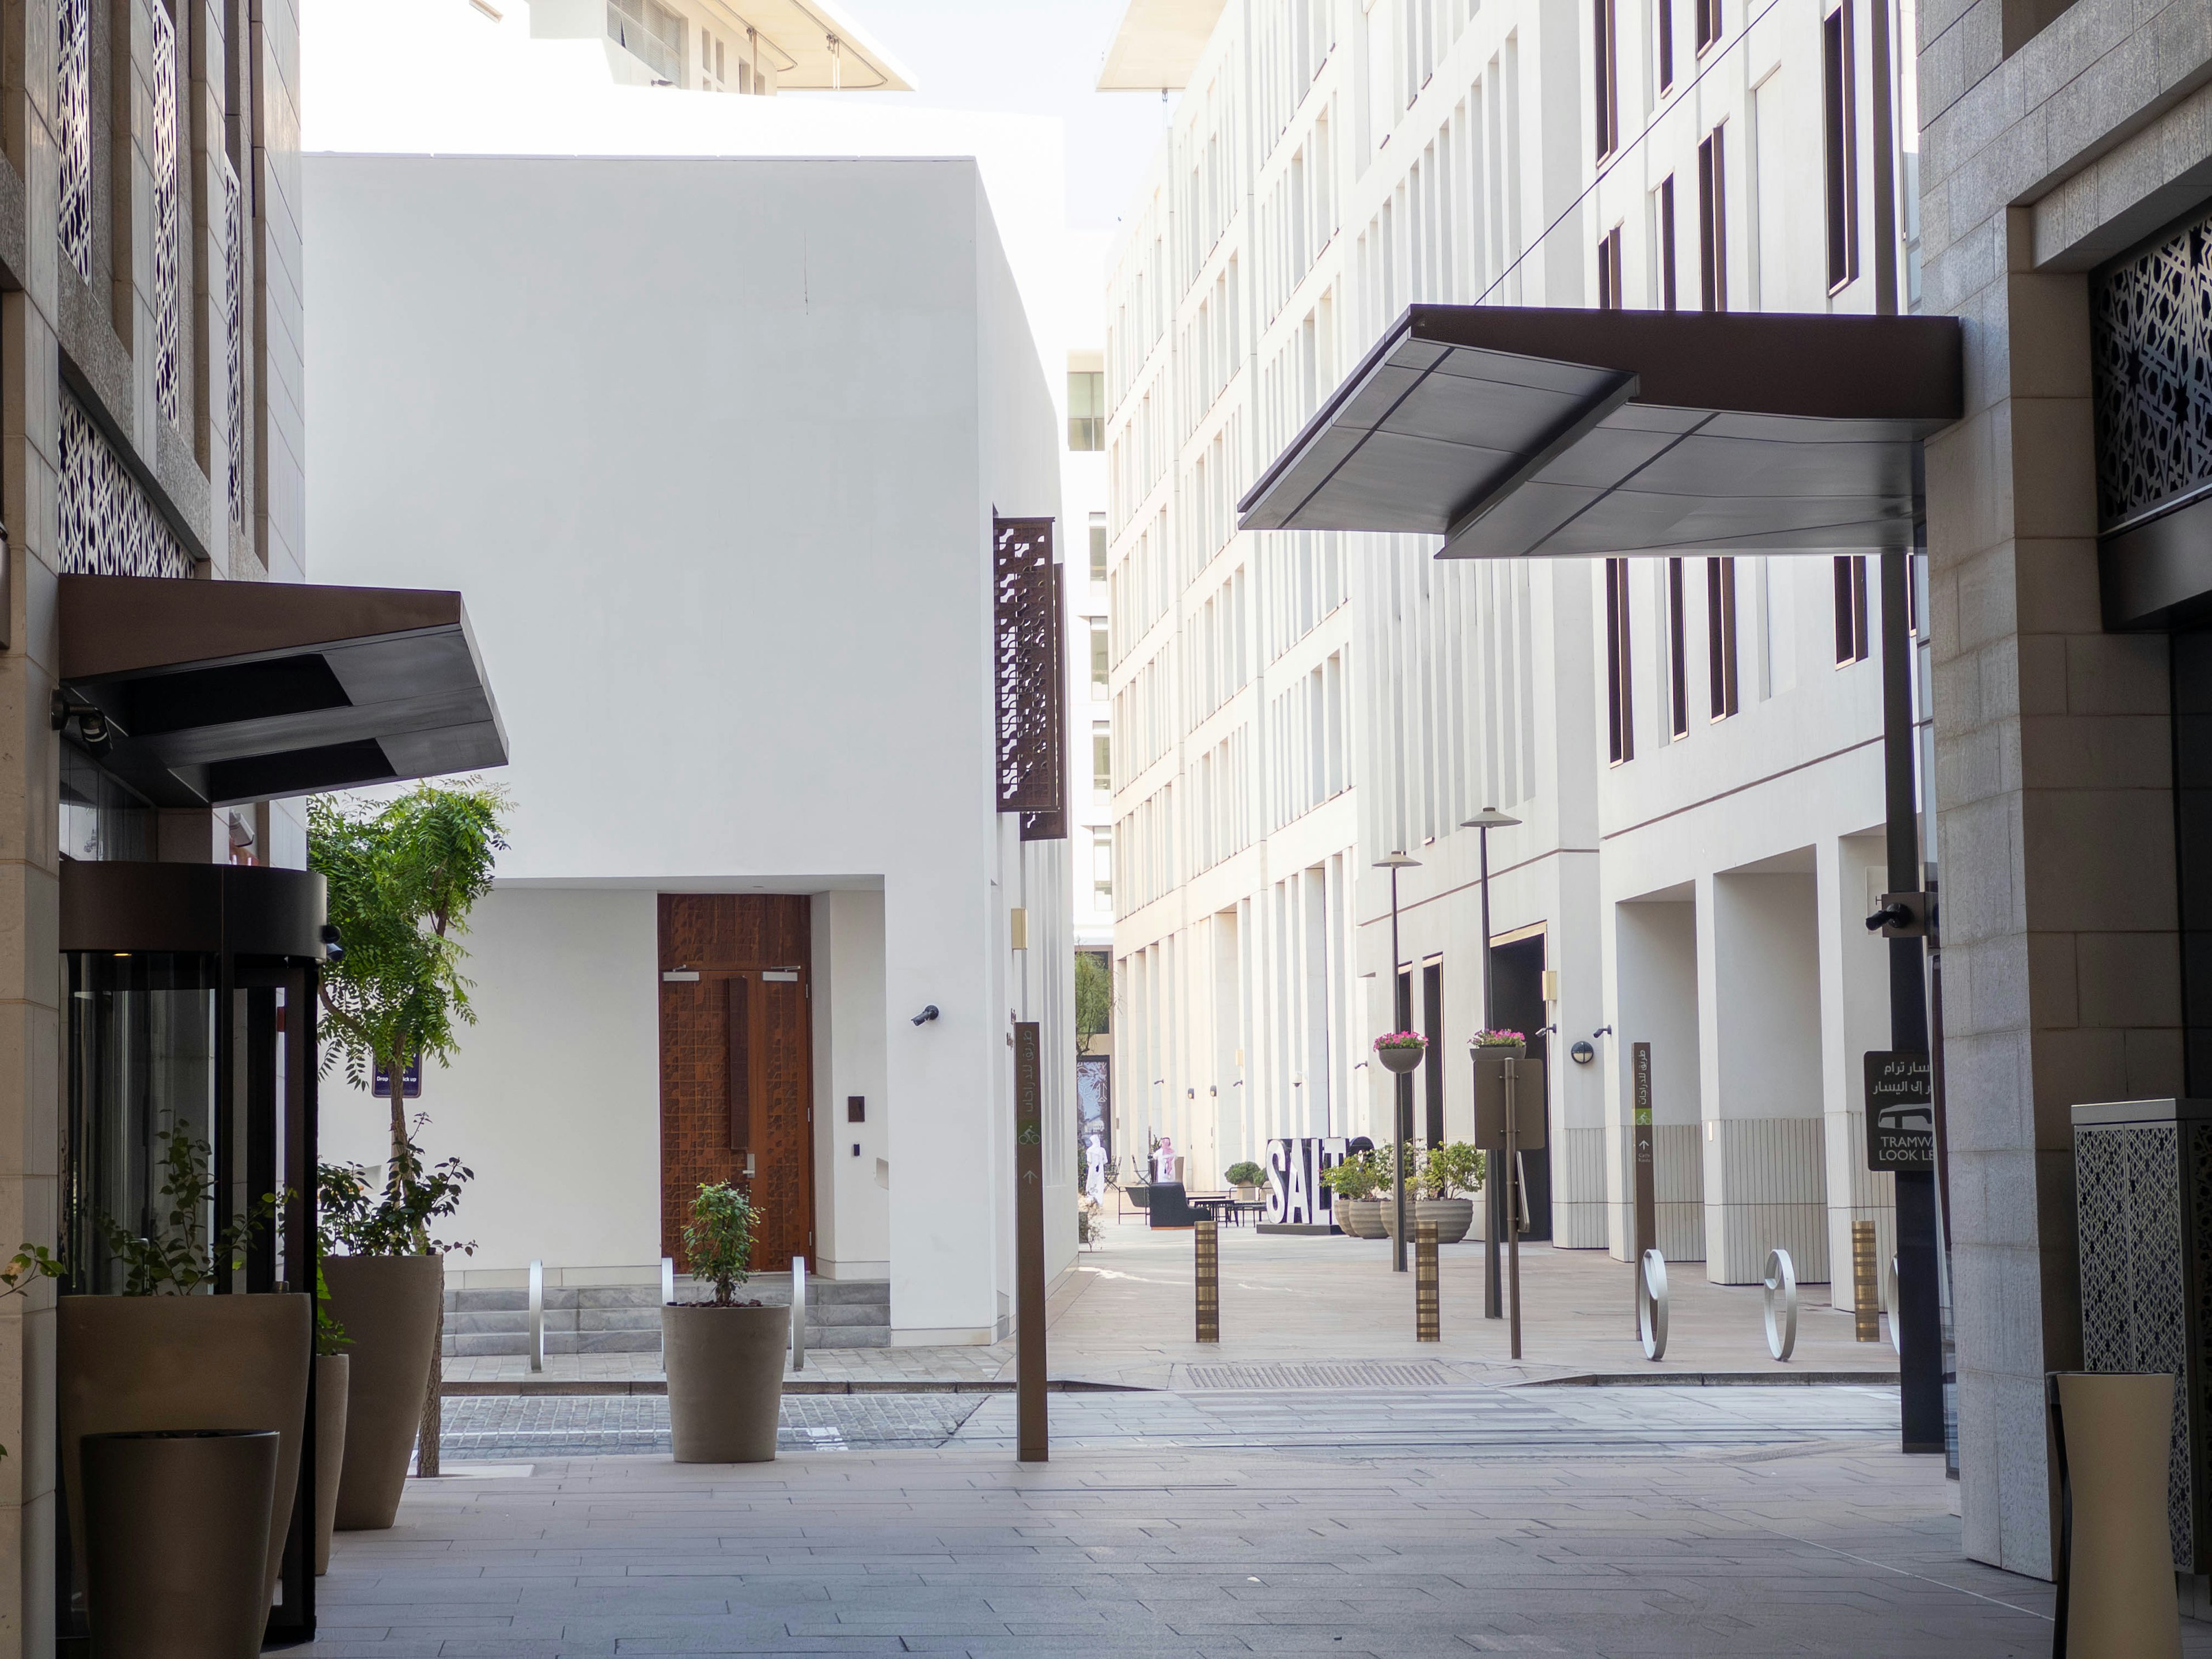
(176, 1528)
(2112, 1435)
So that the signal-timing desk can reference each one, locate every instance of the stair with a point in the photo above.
(841, 1313)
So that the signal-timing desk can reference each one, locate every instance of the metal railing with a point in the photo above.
(635, 26)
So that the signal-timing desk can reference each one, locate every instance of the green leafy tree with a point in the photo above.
(403, 875)
(718, 1240)
(1094, 998)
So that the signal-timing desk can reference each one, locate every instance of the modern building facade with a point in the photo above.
(1692, 745)
(755, 49)
(749, 669)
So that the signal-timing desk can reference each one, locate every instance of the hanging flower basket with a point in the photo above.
(1500, 1045)
(1400, 1051)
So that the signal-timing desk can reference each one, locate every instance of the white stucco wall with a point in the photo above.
(554, 1099)
(712, 448)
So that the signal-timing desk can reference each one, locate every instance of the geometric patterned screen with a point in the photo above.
(1026, 660)
(73, 114)
(169, 262)
(234, 345)
(108, 526)
(2141, 1268)
(2150, 353)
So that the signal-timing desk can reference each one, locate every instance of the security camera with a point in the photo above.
(333, 946)
(926, 1015)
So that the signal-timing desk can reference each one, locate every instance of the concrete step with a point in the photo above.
(841, 1313)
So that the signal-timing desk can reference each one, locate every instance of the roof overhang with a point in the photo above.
(216, 692)
(795, 36)
(1158, 44)
(1518, 432)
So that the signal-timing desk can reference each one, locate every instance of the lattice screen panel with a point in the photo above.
(108, 526)
(168, 304)
(234, 345)
(73, 114)
(1028, 676)
(2151, 359)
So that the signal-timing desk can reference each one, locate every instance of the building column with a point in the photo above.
(1854, 1017)
(1656, 993)
(2053, 760)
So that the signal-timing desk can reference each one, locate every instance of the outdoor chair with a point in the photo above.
(1171, 1206)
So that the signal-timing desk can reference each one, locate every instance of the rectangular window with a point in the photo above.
(1432, 1027)
(1102, 865)
(1712, 224)
(1709, 22)
(1097, 656)
(1607, 40)
(1851, 609)
(1620, 710)
(1720, 635)
(1086, 409)
(1101, 754)
(1666, 244)
(1098, 547)
(1839, 94)
(1608, 271)
(1662, 29)
(1678, 667)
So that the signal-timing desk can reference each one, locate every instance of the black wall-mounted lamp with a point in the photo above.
(1581, 1053)
(926, 1015)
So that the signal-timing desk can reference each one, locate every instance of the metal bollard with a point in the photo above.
(1427, 1311)
(667, 1279)
(537, 1315)
(799, 1313)
(1889, 1307)
(1782, 1322)
(1651, 1304)
(1866, 1296)
(1205, 1241)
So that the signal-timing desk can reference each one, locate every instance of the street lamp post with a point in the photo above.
(1402, 1099)
(1482, 824)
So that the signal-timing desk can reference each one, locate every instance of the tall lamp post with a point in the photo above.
(1483, 823)
(1401, 1100)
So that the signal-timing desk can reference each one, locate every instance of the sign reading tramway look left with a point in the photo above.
(1900, 1111)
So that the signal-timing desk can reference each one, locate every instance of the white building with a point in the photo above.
(738, 586)
(1692, 745)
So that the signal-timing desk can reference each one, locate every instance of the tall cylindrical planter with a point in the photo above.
(332, 1371)
(725, 1380)
(177, 1525)
(389, 1307)
(131, 1364)
(2114, 1433)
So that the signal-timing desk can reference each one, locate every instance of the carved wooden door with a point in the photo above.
(736, 1073)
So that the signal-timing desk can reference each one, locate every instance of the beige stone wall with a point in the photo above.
(2053, 768)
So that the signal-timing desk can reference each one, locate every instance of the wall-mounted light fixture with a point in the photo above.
(926, 1015)
(1582, 1053)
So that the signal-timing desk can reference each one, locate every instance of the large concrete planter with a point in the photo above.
(389, 1307)
(725, 1380)
(332, 1372)
(131, 1363)
(1360, 1217)
(1454, 1217)
(178, 1530)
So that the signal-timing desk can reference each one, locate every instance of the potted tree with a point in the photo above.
(166, 1357)
(402, 876)
(1355, 1183)
(1245, 1177)
(1440, 1179)
(724, 1358)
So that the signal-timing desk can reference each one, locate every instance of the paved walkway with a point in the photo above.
(1634, 1523)
(1126, 1317)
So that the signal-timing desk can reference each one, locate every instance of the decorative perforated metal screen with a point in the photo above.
(2142, 1266)
(108, 526)
(233, 297)
(2151, 355)
(73, 114)
(168, 304)
(1027, 676)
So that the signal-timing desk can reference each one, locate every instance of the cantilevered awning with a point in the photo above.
(215, 692)
(1515, 432)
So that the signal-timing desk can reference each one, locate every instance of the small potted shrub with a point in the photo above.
(1245, 1177)
(1436, 1183)
(1355, 1182)
(1400, 1051)
(724, 1358)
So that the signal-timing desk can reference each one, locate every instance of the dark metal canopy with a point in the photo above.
(216, 692)
(1515, 431)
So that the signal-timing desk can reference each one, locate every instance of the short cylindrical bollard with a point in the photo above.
(537, 1315)
(1428, 1319)
(799, 1313)
(1651, 1304)
(1889, 1307)
(1205, 1241)
(1866, 1294)
(1781, 1304)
